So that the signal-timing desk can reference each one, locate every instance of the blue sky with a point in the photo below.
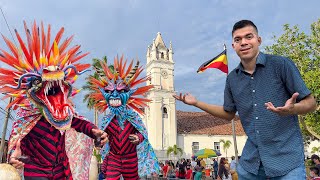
(197, 29)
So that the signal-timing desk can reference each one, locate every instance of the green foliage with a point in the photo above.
(226, 145)
(309, 162)
(304, 50)
(315, 150)
(175, 150)
(97, 155)
(98, 73)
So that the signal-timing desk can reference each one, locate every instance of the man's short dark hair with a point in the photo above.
(315, 170)
(242, 24)
(314, 156)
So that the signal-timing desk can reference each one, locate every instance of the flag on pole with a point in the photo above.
(219, 62)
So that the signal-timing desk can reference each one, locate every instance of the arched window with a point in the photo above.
(162, 55)
(164, 112)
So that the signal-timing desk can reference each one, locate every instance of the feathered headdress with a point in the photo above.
(119, 72)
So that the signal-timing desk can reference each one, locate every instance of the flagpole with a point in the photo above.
(234, 140)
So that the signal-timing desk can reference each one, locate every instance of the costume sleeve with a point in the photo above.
(12, 141)
(141, 138)
(10, 152)
(84, 126)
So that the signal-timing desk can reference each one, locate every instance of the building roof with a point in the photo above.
(159, 41)
(204, 123)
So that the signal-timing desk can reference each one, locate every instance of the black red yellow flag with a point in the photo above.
(219, 62)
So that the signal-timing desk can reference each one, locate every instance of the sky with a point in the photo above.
(197, 30)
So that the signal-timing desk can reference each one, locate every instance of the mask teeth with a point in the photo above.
(49, 104)
(115, 102)
(65, 110)
(48, 86)
(51, 84)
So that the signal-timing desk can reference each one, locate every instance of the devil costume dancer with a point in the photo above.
(41, 85)
(113, 90)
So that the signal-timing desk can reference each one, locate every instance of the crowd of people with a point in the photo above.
(195, 169)
(315, 170)
(220, 169)
(181, 170)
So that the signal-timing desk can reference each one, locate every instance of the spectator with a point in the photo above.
(177, 164)
(165, 168)
(223, 172)
(198, 169)
(171, 173)
(314, 173)
(233, 166)
(315, 159)
(215, 168)
(182, 171)
(188, 163)
(203, 164)
(193, 165)
(161, 169)
(189, 174)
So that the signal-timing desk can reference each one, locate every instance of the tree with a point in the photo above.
(315, 150)
(97, 75)
(175, 150)
(90, 102)
(304, 50)
(226, 145)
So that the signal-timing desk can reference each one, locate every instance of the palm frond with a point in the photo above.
(88, 86)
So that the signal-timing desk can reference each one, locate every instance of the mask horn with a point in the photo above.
(132, 72)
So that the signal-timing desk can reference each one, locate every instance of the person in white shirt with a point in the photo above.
(233, 167)
(193, 164)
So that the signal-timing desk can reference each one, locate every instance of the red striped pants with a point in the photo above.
(114, 166)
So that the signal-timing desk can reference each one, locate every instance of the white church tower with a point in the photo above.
(160, 117)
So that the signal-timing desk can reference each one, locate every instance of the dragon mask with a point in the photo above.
(42, 73)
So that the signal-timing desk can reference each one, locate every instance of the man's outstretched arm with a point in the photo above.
(214, 110)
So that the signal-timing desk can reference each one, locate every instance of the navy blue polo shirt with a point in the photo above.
(273, 140)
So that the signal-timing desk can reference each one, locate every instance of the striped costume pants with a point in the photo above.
(116, 165)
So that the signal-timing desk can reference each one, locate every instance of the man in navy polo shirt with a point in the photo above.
(268, 93)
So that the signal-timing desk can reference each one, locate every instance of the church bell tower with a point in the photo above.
(160, 117)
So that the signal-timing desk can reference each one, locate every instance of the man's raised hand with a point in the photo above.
(287, 109)
(186, 98)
